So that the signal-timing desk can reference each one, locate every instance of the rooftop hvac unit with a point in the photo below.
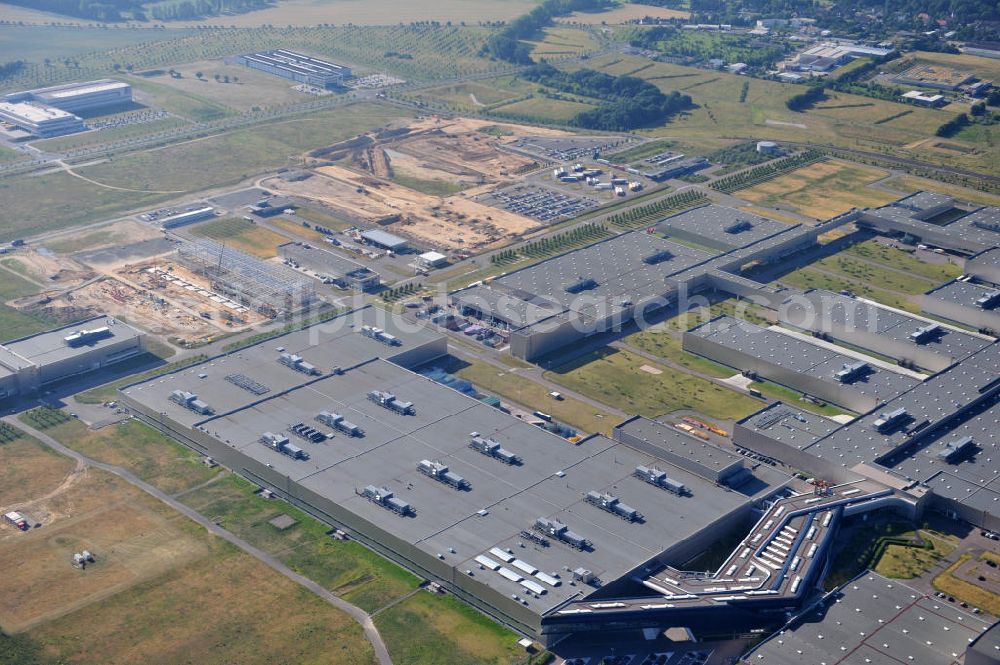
(384, 497)
(850, 372)
(889, 419)
(614, 506)
(658, 257)
(297, 363)
(952, 450)
(738, 227)
(281, 444)
(191, 401)
(660, 479)
(308, 433)
(380, 335)
(336, 421)
(81, 337)
(440, 473)
(926, 334)
(584, 284)
(988, 300)
(492, 448)
(559, 531)
(389, 401)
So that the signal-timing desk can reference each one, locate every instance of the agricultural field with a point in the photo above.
(822, 190)
(141, 180)
(543, 109)
(475, 95)
(425, 629)
(844, 120)
(633, 384)
(510, 385)
(188, 104)
(623, 13)
(438, 52)
(242, 235)
(563, 43)
(373, 12)
(35, 43)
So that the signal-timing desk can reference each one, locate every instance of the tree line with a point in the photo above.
(506, 45)
(628, 102)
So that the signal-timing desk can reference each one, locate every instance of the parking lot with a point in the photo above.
(539, 203)
(563, 149)
(657, 656)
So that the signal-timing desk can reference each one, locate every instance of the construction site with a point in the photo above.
(422, 180)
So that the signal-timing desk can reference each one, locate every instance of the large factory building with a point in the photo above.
(29, 363)
(512, 519)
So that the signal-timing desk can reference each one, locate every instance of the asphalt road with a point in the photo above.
(356, 613)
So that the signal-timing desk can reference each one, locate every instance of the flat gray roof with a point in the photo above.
(873, 620)
(933, 401)
(503, 500)
(336, 343)
(800, 356)
(961, 293)
(382, 238)
(790, 425)
(320, 259)
(513, 496)
(866, 316)
(50, 346)
(630, 265)
(712, 221)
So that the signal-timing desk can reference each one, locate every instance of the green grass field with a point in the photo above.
(13, 323)
(345, 567)
(669, 347)
(35, 43)
(512, 386)
(900, 260)
(242, 235)
(560, 42)
(543, 109)
(438, 51)
(155, 458)
(49, 202)
(806, 278)
(426, 629)
(866, 273)
(617, 378)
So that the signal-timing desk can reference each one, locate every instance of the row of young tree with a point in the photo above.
(506, 44)
(628, 102)
(110, 11)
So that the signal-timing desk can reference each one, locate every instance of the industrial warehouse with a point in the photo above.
(514, 520)
(49, 112)
(558, 301)
(549, 537)
(29, 363)
(297, 67)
